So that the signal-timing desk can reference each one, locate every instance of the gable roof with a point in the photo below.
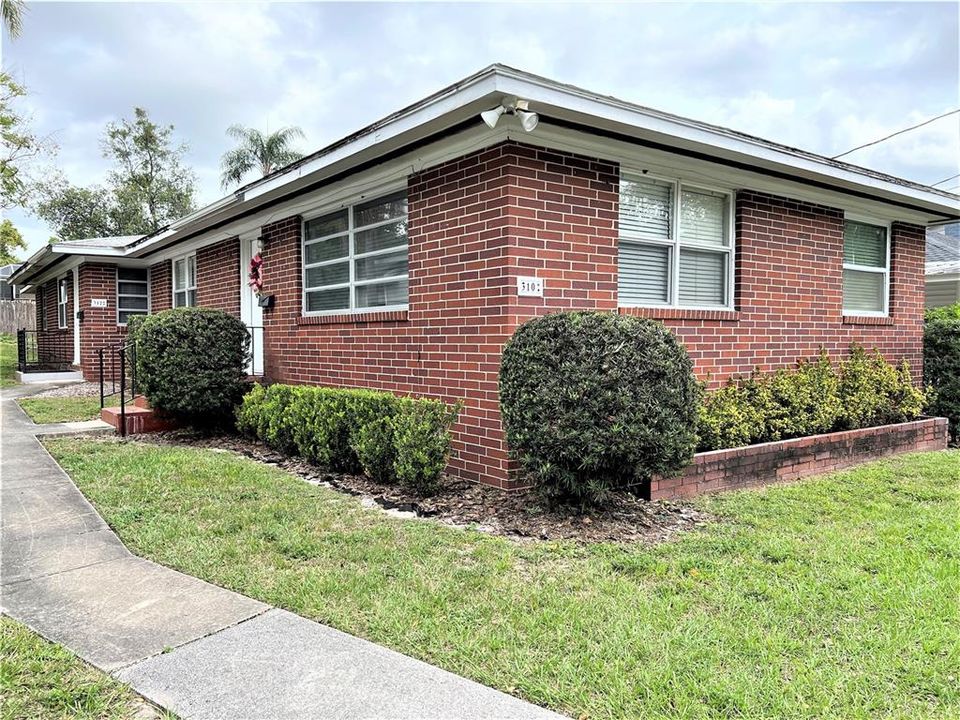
(455, 109)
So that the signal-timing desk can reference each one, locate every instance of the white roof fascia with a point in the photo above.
(567, 102)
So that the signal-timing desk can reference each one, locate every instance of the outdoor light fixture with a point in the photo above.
(512, 106)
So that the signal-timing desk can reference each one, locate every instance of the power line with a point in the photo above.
(945, 180)
(898, 132)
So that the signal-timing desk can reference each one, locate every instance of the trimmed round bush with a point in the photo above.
(191, 362)
(594, 401)
(941, 364)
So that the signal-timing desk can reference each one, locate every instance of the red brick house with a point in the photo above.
(404, 256)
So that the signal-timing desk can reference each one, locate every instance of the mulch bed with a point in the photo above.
(523, 514)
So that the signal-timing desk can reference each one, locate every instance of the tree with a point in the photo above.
(258, 151)
(147, 189)
(149, 180)
(20, 145)
(10, 241)
(12, 11)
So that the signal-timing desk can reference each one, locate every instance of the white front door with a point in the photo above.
(250, 311)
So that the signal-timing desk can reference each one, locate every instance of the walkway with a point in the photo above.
(194, 648)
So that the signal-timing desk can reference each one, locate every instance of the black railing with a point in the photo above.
(44, 350)
(117, 366)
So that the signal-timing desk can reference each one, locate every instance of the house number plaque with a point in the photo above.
(530, 287)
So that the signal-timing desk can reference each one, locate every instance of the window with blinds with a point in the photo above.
(675, 245)
(185, 281)
(866, 268)
(132, 294)
(356, 258)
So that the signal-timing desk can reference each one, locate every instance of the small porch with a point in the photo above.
(46, 356)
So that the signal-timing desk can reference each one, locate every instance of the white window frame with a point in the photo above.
(63, 300)
(674, 243)
(119, 295)
(173, 279)
(888, 226)
(351, 257)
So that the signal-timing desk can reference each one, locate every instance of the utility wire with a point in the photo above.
(898, 132)
(945, 180)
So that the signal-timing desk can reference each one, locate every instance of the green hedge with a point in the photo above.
(941, 363)
(862, 391)
(191, 362)
(390, 438)
(593, 401)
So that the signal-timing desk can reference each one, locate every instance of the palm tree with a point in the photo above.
(12, 11)
(257, 151)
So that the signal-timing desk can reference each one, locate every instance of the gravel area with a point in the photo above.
(523, 514)
(84, 389)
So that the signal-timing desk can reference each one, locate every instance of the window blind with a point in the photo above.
(863, 291)
(132, 294)
(644, 275)
(703, 278)
(864, 244)
(703, 217)
(646, 207)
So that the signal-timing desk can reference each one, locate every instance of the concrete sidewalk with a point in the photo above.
(194, 648)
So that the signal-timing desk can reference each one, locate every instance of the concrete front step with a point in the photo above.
(140, 418)
(28, 378)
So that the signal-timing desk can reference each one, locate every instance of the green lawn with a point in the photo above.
(835, 597)
(63, 409)
(39, 679)
(8, 359)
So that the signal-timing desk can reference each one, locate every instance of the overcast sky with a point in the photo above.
(823, 77)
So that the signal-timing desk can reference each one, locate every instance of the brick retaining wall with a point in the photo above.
(799, 457)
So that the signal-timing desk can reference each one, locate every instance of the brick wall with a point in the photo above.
(161, 290)
(99, 326)
(218, 276)
(477, 223)
(56, 344)
(797, 458)
(789, 294)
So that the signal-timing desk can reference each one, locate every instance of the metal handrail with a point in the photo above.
(116, 355)
(44, 349)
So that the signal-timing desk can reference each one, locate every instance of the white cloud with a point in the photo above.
(824, 77)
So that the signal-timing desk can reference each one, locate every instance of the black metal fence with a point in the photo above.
(44, 350)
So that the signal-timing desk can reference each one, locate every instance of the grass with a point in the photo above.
(834, 597)
(63, 409)
(8, 359)
(39, 679)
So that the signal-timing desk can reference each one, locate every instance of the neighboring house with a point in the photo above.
(15, 312)
(8, 291)
(404, 256)
(943, 267)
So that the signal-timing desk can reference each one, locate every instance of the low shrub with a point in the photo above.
(593, 401)
(421, 441)
(873, 392)
(941, 363)
(191, 362)
(862, 391)
(730, 417)
(389, 438)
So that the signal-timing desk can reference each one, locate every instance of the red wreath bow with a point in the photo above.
(255, 275)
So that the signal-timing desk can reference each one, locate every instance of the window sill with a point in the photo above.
(867, 320)
(355, 318)
(671, 313)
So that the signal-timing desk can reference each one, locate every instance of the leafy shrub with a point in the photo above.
(873, 392)
(863, 391)
(191, 362)
(947, 312)
(941, 364)
(593, 401)
(389, 438)
(730, 417)
(375, 449)
(421, 442)
(264, 414)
